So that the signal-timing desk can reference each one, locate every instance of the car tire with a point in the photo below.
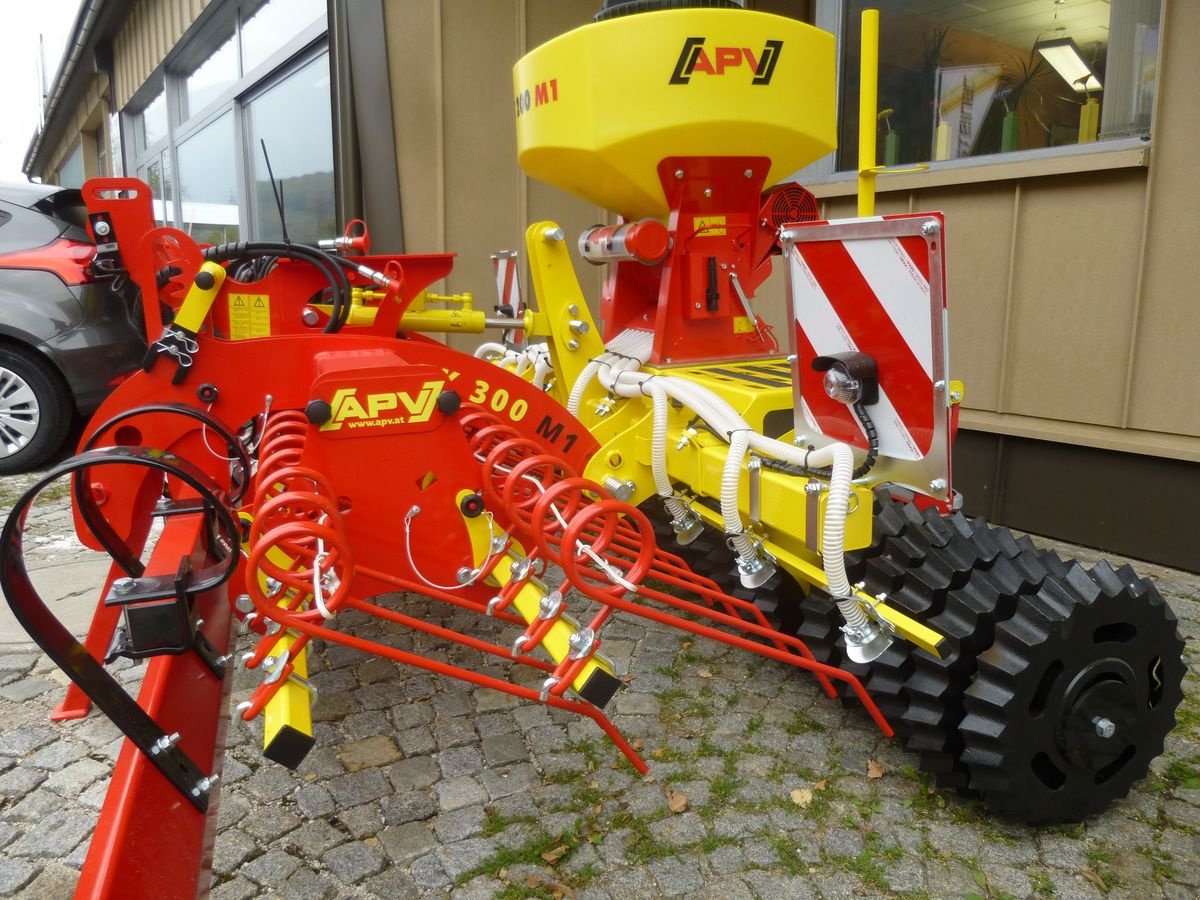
(35, 410)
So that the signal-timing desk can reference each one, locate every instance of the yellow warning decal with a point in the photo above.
(743, 325)
(709, 225)
(249, 316)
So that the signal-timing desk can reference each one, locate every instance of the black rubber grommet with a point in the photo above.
(207, 393)
(471, 505)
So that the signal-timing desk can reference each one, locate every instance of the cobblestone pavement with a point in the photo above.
(423, 786)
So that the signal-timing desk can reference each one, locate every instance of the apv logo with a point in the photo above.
(693, 58)
(382, 409)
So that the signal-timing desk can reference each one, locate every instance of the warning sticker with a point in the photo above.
(709, 225)
(249, 316)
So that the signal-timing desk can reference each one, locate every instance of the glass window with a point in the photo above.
(274, 24)
(157, 174)
(70, 173)
(301, 152)
(208, 195)
(212, 77)
(154, 121)
(969, 79)
(116, 159)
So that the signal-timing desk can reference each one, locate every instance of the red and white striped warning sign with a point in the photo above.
(874, 285)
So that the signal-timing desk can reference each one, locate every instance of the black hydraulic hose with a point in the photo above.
(326, 263)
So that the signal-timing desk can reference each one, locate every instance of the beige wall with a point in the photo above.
(88, 118)
(452, 96)
(1072, 281)
(152, 29)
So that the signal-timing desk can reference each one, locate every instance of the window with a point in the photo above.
(208, 191)
(302, 166)
(70, 172)
(960, 80)
(196, 143)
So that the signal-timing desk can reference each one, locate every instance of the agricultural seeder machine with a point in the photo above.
(297, 446)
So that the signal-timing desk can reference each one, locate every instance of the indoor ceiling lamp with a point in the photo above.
(1064, 56)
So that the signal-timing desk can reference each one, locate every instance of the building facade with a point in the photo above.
(1070, 232)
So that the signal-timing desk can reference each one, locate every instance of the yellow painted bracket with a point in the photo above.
(200, 297)
(287, 716)
(571, 332)
(596, 678)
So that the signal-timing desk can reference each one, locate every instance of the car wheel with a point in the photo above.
(35, 410)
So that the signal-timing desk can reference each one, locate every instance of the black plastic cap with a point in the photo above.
(448, 402)
(318, 412)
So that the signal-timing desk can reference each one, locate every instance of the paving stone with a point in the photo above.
(55, 880)
(269, 823)
(361, 821)
(404, 843)
(427, 872)
(233, 848)
(358, 787)
(305, 884)
(410, 715)
(392, 884)
(271, 782)
(8, 833)
(314, 801)
(351, 863)
(459, 761)
(235, 889)
(455, 793)
(54, 836)
(463, 856)
(23, 741)
(415, 773)
(17, 662)
(379, 750)
(363, 725)
(506, 782)
(677, 876)
(411, 806)
(34, 807)
(628, 882)
(57, 755)
(15, 874)
(680, 830)
(496, 724)
(270, 869)
(376, 670)
(843, 842)
(504, 749)
(26, 689)
(312, 839)
(459, 824)
(454, 733)
(417, 741)
(21, 780)
(488, 700)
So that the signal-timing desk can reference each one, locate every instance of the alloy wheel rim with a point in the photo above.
(19, 412)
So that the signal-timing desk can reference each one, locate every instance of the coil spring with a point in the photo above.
(297, 535)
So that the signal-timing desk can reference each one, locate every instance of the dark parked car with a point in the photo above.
(66, 338)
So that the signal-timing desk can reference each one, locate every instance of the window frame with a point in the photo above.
(171, 81)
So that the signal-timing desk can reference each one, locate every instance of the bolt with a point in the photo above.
(937, 485)
(465, 575)
(572, 344)
(164, 743)
(204, 785)
(243, 603)
(749, 173)
(697, 305)
(956, 396)
(123, 585)
(1104, 727)
(102, 228)
(554, 235)
(930, 228)
(708, 192)
(578, 326)
(679, 173)
(572, 310)
(939, 386)
(310, 316)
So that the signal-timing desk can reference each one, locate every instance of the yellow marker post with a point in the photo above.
(868, 102)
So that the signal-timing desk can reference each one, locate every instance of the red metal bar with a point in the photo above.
(149, 840)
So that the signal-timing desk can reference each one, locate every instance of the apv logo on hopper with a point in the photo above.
(382, 409)
(694, 59)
